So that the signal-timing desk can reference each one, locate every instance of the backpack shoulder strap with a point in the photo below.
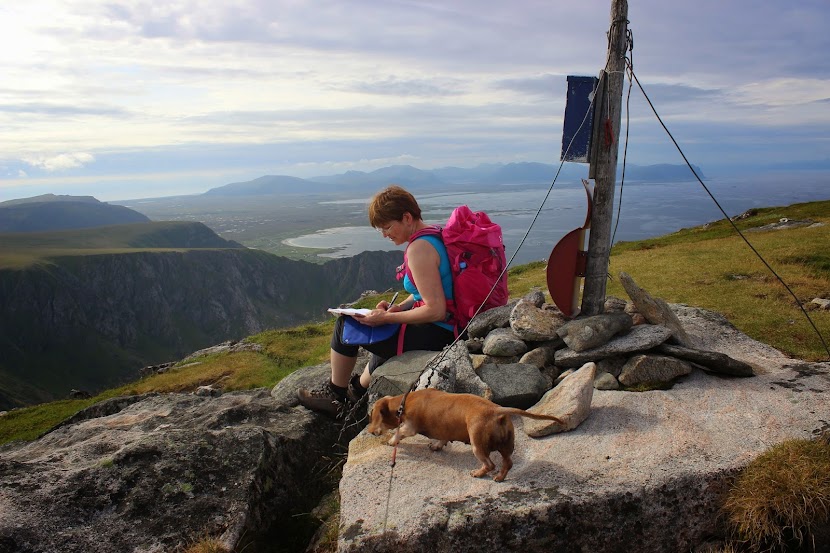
(432, 230)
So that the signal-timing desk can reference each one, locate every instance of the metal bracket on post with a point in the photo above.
(581, 262)
(599, 109)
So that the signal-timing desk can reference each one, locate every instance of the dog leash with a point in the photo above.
(393, 461)
(389, 488)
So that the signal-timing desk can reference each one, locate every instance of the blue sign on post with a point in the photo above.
(579, 119)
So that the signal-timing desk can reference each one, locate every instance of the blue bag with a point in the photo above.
(357, 334)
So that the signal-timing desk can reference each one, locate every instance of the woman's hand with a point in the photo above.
(376, 317)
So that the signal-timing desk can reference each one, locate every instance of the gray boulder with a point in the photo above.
(474, 345)
(611, 365)
(534, 324)
(498, 317)
(515, 385)
(540, 357)
(591, 332)
(231, 346)
(467, 381)
(503, 342)
(652, 369)
(285, 392)
(606, 381)
(640, 338)
(536, 297)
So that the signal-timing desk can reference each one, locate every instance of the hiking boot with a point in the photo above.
(355, 391)
(323, 400)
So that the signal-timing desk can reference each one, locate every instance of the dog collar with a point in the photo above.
(401, 406)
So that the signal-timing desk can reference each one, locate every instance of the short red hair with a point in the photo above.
(390, 204)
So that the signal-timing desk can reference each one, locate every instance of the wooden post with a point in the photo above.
(604, 168)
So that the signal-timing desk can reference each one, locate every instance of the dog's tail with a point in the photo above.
(523, 413)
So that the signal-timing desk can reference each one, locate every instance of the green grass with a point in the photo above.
(723, 228)
(30, 422)
(781, 497)
(706, 267)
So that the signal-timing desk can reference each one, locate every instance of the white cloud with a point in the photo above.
(61, 162)
(284, 84)
(21, 174)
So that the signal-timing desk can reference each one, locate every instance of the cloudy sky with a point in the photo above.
(130, 99)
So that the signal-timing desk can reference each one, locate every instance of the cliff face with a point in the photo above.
(91, 321)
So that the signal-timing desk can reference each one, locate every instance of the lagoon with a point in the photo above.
(646, 211)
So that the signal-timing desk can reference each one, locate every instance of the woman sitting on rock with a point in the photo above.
(395, 213)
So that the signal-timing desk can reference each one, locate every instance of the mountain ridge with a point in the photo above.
(432, 179)
(50, 212)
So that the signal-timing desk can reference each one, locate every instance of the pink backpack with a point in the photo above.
(476, 251)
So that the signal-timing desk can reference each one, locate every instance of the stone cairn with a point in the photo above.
(527, 354)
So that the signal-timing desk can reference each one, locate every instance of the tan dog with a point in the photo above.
(446, 417)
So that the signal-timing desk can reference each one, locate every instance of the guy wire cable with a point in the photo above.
(552, 184)
(731, 222)
(433, 363)
(507, 266)
(630, 40)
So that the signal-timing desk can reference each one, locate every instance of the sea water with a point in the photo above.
(534, 219)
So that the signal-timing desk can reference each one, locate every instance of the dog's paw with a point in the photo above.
(437, 445)
(479, 473)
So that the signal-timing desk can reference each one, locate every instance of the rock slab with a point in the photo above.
(655, 310)
(591, 332)
(570, 401)
(640, 338)
(654, 461)
(648, 369)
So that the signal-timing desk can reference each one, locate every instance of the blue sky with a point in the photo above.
(161, 97)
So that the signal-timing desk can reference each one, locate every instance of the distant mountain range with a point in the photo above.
(419, 180)
(50, 212)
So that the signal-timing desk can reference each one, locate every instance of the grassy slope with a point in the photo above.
(20, 250)
(708, 266)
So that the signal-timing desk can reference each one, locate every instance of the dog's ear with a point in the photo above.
(383, 405)
(379, 409)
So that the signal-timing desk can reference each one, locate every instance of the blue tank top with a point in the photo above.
(443, 269)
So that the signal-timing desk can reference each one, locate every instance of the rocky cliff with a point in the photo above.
(91, 321)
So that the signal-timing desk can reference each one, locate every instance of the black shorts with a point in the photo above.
(427, 336)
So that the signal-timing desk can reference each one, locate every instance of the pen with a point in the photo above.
(392, 301)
